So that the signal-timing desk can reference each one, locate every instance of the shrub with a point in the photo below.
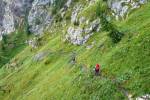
(4, 41)
(102, 10)
(4, 38)
(58, 4)
(115, 35)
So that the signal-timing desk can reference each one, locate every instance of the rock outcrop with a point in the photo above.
(39, 16)
(79, 36)
(13, 13)
(75, 12)
(82, 29)
(144, 97)
(121, 8)
(40, 56)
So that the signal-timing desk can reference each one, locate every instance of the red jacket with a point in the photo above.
(97, 67)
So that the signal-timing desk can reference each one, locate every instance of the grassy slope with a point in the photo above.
(127, 63)
(17, 40)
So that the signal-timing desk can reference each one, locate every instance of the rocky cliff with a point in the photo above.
(38, 14)
(13, 13)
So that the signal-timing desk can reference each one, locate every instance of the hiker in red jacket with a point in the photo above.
(97, 69)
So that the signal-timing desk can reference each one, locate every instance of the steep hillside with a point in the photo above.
(59, 63)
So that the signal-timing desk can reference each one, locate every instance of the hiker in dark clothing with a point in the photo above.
(73, 58)
(97, 69)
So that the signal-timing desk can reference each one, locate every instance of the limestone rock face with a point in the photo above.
(39, 16)
(2, 11)
(121, 8)
(8, 21)
(79, 36)
(12, 13)
(75, 35)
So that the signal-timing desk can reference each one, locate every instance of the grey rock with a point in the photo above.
(68, 3)
(82, 20)
(20, 8)
(89, 47)
(94, 26)
(76, 35)
(2, 11)
(14, 12)
(40, 56)
(65, 8)
(8, 21)
(142, 1)
(41, 2)
(11, 14)
(121, 8)
(32, 43)
(39, 17)
(144, 97)
(75, 12)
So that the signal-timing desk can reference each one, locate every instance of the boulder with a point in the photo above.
(40, 56)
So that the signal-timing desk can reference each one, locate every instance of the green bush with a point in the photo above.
(58, 4)
(115, 35)
(102, 10)
(4, 38)
(4, 42)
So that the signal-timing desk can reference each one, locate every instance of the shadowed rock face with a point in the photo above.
(2, 11)
(20, 7)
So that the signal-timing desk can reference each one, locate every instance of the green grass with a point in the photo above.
(55, 77)
(17, 40)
